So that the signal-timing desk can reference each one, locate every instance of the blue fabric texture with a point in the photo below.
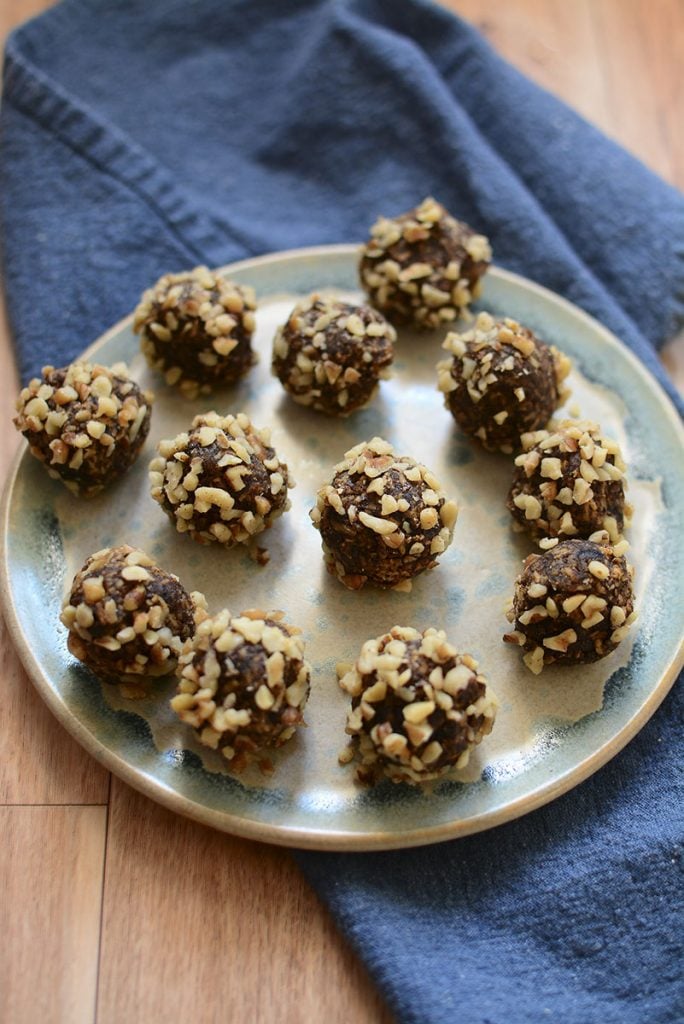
(138, 138)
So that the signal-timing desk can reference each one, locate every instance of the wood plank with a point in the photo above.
(551, 41)
(641, 48)
(618, 62)
(13, 12)
(51, 864)
(201, 926)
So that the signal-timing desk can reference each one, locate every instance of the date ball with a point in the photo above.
(243, 683)
(126, 617)
(383, 519)
(573, 604)
(331, 355)
(220, 481)
(569, 481)
(418, 706)
(501, 381)
(85, 422)
(424, 267)
(196, 328)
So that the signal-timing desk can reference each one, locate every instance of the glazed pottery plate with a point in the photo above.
(552, 731)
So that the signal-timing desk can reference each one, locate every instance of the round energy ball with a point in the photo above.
(423, 268)
(569, 481)
(243, 683)
(501, 381)
(221, 480)
(383, 519)
(418, 706)
(331, 355)
(85, 422)
(196, 328)
(572, 604)
(126, 617)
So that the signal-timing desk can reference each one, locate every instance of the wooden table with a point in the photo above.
(104, 913)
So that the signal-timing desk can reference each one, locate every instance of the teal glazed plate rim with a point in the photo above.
(552, 731)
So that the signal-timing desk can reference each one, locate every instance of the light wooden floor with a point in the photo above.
(104, 915)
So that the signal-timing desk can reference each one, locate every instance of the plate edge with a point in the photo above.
(330, 840)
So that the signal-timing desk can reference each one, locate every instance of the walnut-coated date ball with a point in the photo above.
(220, 481)
(383, 518)
(196, 328)
(418, 706)
(423, 268)
(126, 617)
(569, 481)
(243, 683)
(573, 604)
(331, 355)
(501, 381)
(85, 422)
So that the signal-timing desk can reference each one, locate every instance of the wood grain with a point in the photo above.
(199, 926)
(196, 925)
(641, 77)
(616, 61)
(13, 12)
(51, 862)
(553, 42)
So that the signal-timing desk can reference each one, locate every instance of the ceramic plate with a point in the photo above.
(552, 731)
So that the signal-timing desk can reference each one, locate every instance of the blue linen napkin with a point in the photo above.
(138, 138)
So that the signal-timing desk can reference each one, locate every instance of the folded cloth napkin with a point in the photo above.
(138, 138)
